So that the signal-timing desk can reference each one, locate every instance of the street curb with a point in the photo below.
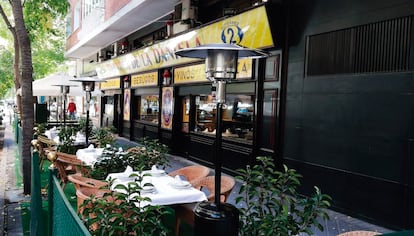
(10, 194)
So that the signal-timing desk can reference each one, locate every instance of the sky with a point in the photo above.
(3, 41)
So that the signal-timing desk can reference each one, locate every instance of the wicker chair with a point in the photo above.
(80, 181)
(185, 212)
(133, 149)
(192, 173)
(84, 193)
(68, 164)
(227, 184)
(359, 233)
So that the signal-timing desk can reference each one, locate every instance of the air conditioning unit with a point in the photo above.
(184, 12)
(180, 27)
(189, 9)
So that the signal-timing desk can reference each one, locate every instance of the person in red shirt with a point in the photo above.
(72, 109)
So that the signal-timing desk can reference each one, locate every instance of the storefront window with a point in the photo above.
(185, 104)
(149, 108)
(238, 113)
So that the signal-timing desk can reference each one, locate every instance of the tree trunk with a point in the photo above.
(27, 112)
(16, 63)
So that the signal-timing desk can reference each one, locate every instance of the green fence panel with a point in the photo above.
(15, 127)
(36, 219)
(20, 144)
(63, 220)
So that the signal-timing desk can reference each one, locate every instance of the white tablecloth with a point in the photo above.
(52, 133)
(79, 139)
(165, 193)
(89, 155)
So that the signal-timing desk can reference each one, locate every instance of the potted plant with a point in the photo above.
(272, 205)
(123, 212)
(66, 140)
(144, 156)
(103, 136)
(83, 124)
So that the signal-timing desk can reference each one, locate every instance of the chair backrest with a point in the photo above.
(84, 193)
(359, 233)
(192, 173)
(69, 163)
(227, 185)
(81, 181)
(45, 144)
(133, 149)
(46, 141)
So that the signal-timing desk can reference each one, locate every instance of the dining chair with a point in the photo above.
(359, 233)
(84, 193)
(208, 183)
(81, 181)
(185, 212)
(67, 164)
(192, 173)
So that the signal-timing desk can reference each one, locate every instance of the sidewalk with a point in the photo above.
(11, 188)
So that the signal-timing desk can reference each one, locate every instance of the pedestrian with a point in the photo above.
(72, 109)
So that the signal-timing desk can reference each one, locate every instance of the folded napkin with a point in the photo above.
(120, 149)
(91, 146)
(178, 181)
(108, 145)
(154, 168)
(56, 139)
(128, 170)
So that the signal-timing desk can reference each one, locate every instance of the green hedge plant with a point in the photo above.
(271, 204)
(66, 140)
(104, 136)
(123, 212)
(142, 157)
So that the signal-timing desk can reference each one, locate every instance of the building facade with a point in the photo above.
(334, 98)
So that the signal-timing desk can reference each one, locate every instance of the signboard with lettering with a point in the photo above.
(111, 84)
(249, 29)
(197, 73)
(146, 79)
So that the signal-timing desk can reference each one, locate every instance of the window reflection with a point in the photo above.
(149, 108)
(238, 114)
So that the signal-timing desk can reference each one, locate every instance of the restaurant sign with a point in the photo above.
(147, 79)
(197, 73)
(111, 84)
(249, 29)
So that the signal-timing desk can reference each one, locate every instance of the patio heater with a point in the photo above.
(216, 218)
(64, 90)
(88, 85)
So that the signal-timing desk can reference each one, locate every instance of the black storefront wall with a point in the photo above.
(199, 146)
(352, 135)
(142, 129)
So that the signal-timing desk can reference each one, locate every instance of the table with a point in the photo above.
(53, 134)
(89, 155)
(165, 193)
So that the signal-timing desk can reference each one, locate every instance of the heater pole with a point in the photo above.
(217, 154)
